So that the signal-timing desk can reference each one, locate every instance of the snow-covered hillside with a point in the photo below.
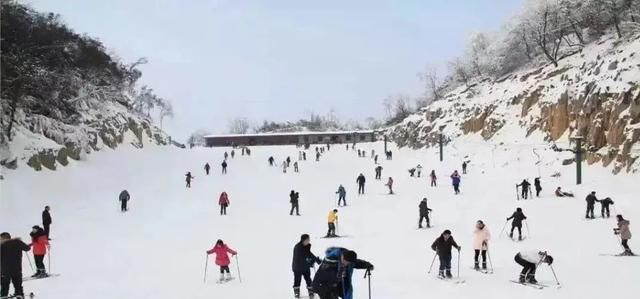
(593, 93)
(157, 249)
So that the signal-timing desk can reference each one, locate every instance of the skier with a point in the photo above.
(248, 151)
(295, 167)
(317, 157)
(299, 155)
(419, 169)
(224, 167)
(243, 150)
(284, 166)
(40, 244)
(332, 219)
(288, 161)
(530, 260)
(222, 259)
(455, 180)
(442, 246)
(188, 179)
(412, 172)
(304, 156)
(224, 202)
(560, 193)
(375, 159)
(481, 244)
(359, 153)
(333, 279)
(360, 180)
(226, 155)
(271, 160)
(517, 217)
(378, 172)
(303, 259)
(464, 167)
(342, 194)
(207, 168)
(433, 178)
(46, 221)
(11, 266)
(591, 202)
(233, 153)
(293, 199)
(424, 213)
(525, 188)
(124, 198)
(604, 206)
(625, 234)
(373, 152)
(390, 185)
(347, 147)
(536, 183)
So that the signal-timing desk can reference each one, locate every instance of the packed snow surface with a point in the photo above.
(157, 249)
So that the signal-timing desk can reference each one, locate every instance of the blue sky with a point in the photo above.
(280, 60)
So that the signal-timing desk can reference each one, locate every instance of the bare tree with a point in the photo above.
(239, 125)
(398, 107)
(459, 70)
(547, 30)
(166, 110)
(433, 85)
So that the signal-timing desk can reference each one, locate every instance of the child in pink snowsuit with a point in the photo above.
(222, 258)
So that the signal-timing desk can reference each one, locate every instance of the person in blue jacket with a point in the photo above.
(455, 181)
(333, 278)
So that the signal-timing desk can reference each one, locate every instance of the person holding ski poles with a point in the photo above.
(223, 201)
(361, 180)
(390, 185)
(442, 246)
(342, 194)
(517, 217)
(11, 266)
(303, 259)
(481, 238)
(625, 234)
(222, 259)
(525, 188)
(294, 200)
(433, 178)
(530, 260)
(124, 198)
(333, 279)
(332, 219)
(188, 178)
(40, 244)
(424, 213)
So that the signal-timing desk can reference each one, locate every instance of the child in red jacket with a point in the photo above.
(40, 244)
(222, 258)
(223, 201)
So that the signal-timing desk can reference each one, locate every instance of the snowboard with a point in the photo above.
(36, 278)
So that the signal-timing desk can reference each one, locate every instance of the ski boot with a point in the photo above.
(441, 274)
(522, 278)
(43, 274)
(296, 292)
(221, 280)
(476, 266)
(311, 293)
(519, 238)
(484, 266)
(448, 273)
(531, 279)
(228, 277)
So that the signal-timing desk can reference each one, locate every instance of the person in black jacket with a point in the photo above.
(517, 217)
(11, 264)
(424, 213)
(604, 206)
(361, 180)
(333, 278)
(224, 167)
(271, 160)
(124, 198)
(293, 199)
(536, 183)
(46, 220)
(591, 203)
(207, 167)
(303, 260)
(442, 246)
(525, 188)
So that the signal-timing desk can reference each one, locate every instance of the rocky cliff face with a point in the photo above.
(593, 94)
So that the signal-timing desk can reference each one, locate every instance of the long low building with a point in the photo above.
(290, 138)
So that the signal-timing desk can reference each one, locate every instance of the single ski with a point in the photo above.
(336, 236)
(535, 286)
(618, 254)
(41, 277)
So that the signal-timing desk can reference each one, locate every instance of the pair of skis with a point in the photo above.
(223, 281)
(31, 295)
(40, 277)
(452, 280)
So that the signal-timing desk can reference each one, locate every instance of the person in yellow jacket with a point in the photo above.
(332, 219)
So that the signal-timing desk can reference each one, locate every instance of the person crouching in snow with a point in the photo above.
(442, 246)
(222, 259)
(530, 260)
(390, 185)
(481, 238)
(333, 278)
(223, 201)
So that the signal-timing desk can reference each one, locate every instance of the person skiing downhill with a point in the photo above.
(390, 185)
(40, 244)
(188, 178)
(625, 234)
(433, 178)
(481, 237)
(333, 278)
(124, 198)
(442, 246)
(517, 217)
(378, 170)
(536, 183)
(455, 181)
(332, 219)
(295, 167)
(604, 206)
(361, 180)
(525, 188)
(303, 259)
(224, 202)
(271, 160)
(224, 167)
(207, 167)
(342, 194)
(222, 259)
(591, 202)
(424, 213)
(46, 221)
(11, 264)
(530, 260)
(293, 199)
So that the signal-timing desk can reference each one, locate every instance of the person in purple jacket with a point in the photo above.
(455, 180)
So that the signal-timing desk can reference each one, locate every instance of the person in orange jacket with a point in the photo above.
(39, 244)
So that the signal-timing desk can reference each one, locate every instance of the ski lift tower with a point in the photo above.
(578, 151)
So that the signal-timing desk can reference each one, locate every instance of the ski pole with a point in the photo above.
(49, 259)
(367, 274)
(206, 263)
(489, 257)
(505, 226)
(29, 260)
(238, 267)
(526, 223)
(458, 263)
(432, 262)
(554, 274)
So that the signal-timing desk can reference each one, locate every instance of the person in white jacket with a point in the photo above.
(530, 260)
(481, 237)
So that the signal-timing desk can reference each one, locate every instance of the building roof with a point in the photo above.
(304, 133)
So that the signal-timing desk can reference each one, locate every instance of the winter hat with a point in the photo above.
(304, 237)
(335, 210)
(350, 256)
(446, 232)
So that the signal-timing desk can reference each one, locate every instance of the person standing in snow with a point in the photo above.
(222, 259)
(224, 167)
(375, 160)
(317, 157)
(360, 180)
(333, 279)
(293, 199)
(226, 155)
(188, 179)
(224, 202)
(625, 234)
(332, 219)
(207, 168)
(530, 260)
(303, 260)
(481, 238)
(536, 183)
(604, 207)
(455, 181)
(284, 166)
(288, 161)
(359, 153)
(11, 264)
(390, 185)
(295, 167)
(124, 198)
(342, 195)
(243, 150)
(271, 160)
(464, 167)
(233, 153)
(46, 221)
(248, 150)
(525, 188)
(40, 244)
(304, 156)
(378, 172)
(442, 246)
(424, 213)
(433, 178)
(419, 169)
(517, 217)
(591, 202)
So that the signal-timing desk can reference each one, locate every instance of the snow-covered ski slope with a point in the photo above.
(157, 249)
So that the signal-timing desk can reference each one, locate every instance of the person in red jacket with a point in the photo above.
(39, 244)
(224, 203)
(222, 258)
